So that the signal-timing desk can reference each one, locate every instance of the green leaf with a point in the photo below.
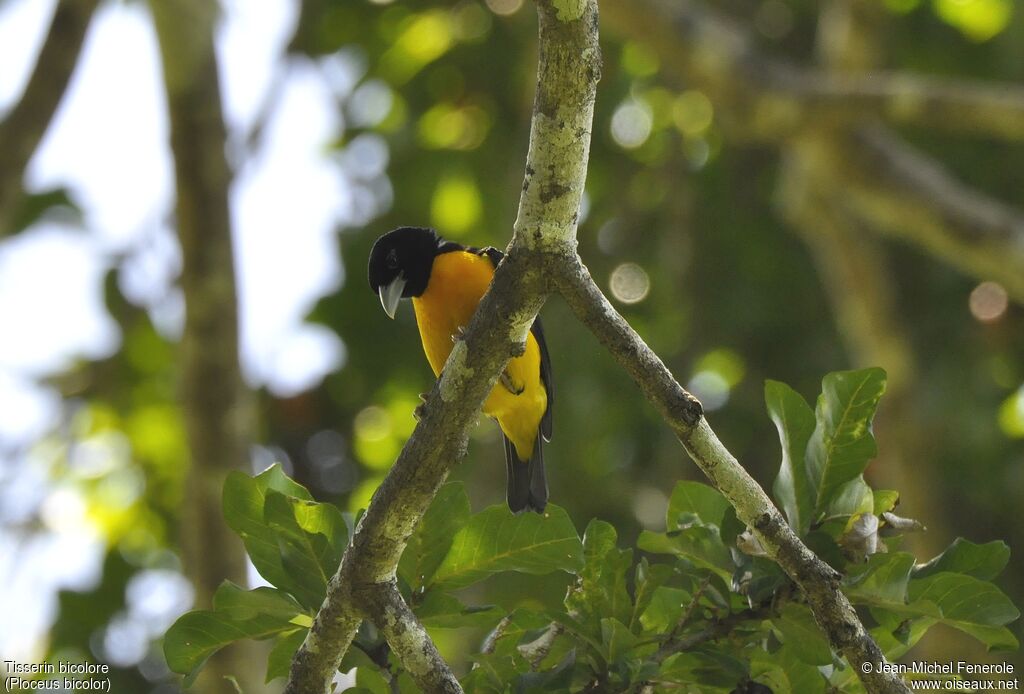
(445, 611)
(963, 556)
(785, 672)
(697, 499)
(557, 679)
(236, 614)
(715, 670)
(311, 538)
(842, 443)
(432, 538)
(699, 544)
(882, 580)
(648, 580)
(884, 500)
(852, 498)
(243, 501)
(601, 589)
(665, 609)
(491, 674)
(372, 680)
(794, 420)
(971, 605)
(802, 635)
(279, 661)
(617, 639)
(494, 540)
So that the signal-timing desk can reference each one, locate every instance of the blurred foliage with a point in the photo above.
(714, 617)
(707, 273)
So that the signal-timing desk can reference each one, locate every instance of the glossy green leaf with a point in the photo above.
(495, 540)
(971, 605)
(279, 661)
(311, 538)
(842, 442)
(665, 608)
(785, 671)
(236, 614)
(963, 556)
(884, 500)
(617, 639)
(802, 635)
(697, 499)
(882, 580)
(433, 537)
(852, 498)
(243, 500)
(699, 544)
(601, 588)
(794, 419)
(648, 579)
(714, 670)
(445, 611)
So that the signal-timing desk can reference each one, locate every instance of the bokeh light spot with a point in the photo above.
(710, 388)
(1011, 415)
(504, 7)
(988, 302)
(631, 124)
(629, 283)
(639, 60)
(692, 113)
(456, 206)
(373, 423)
(470, 22)
(978, 20)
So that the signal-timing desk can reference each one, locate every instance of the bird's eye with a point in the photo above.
(392, 259)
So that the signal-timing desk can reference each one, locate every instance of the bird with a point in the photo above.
(446, 281)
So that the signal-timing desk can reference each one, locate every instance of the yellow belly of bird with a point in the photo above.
(458, 280)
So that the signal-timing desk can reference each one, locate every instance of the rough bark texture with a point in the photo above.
(542, 257)
(218, 416)
(569, 67)
(24, 126)
(818, 581)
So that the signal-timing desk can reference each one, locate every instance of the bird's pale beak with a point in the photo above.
(391, 294)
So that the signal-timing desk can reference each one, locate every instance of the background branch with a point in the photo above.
(23, 127)
(215, 402)
(896, 190)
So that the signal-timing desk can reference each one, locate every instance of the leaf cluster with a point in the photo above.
(699, 607)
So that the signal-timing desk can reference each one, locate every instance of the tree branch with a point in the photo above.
(881, 179)
(818, 581)
(568, 69)
(216, 404)
(24, 125)
(781, 100)
(408, 639)
(910, 196)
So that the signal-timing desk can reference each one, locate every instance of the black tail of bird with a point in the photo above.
(527, 481)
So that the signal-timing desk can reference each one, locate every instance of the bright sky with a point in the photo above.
(108, 145)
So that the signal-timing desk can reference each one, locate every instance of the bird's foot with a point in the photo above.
(506, 381)
(460, 334)
(420, 410)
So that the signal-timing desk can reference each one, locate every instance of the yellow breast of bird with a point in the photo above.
(458, 280)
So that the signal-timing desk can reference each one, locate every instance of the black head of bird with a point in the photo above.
(400, 264)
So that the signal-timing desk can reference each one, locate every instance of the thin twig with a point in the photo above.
(818, 581)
